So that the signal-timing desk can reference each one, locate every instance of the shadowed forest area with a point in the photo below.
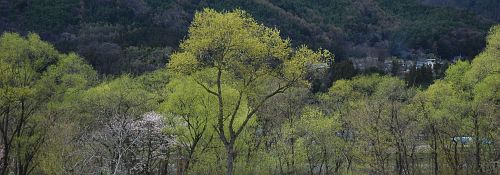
(249, 87)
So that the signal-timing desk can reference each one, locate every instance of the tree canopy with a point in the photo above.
(235, 97)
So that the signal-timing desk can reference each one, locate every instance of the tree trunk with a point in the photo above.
(478, 145)
(5, 159)
(455, 143)
(230, 159)
(325, 157)
(434, 150)
(164, 168)
(6, 143)
(191, 151)
(293, 157)
(280, 166)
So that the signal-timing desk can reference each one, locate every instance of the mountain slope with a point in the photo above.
(121, 35)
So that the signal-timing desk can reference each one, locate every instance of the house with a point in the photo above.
(366, 63)
(430, 62)
(466, 140)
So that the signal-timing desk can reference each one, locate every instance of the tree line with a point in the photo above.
(235, 98)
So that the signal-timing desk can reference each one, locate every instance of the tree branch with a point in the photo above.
(233, 115)
(206, 88)
(279, 90)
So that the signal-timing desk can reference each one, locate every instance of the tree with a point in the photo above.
(192, 118)
(232, 50)
(483, 91)
(321, 143)
(34, 78)
(439, 111)
(115, 117)
(22, 62)
(467, 93)
(153, 145)
(64, 80)
(342, 70)
(420, 76)
(277, 123)
(339, 101)
(371, 110)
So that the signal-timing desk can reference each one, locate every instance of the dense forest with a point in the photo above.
(249, 87)
(137, 36)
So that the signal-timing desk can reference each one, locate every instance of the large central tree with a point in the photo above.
(232, 51)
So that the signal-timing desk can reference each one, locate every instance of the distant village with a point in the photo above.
(401, 66)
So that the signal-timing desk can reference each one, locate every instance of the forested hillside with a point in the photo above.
(249, 87)
(484, 7)
(137, 36)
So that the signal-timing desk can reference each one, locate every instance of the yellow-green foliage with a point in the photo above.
(244, 49)
(34, 81)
